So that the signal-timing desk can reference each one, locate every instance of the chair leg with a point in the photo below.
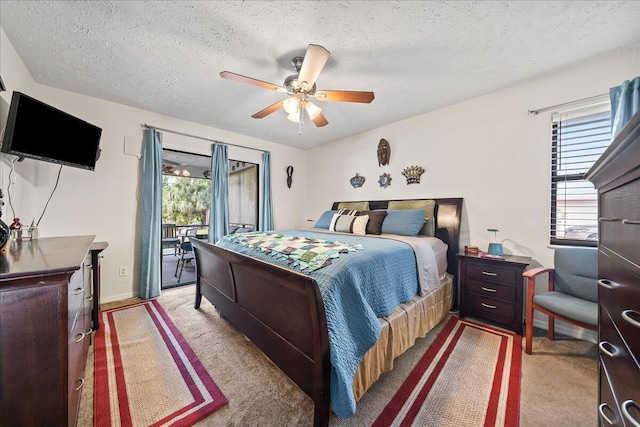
(529, 331)
(177, 265)
(552, 332)
(180, 274)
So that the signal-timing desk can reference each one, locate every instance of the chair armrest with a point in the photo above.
(530, 274)
(535, 272)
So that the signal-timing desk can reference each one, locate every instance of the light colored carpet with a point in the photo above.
(559, 380)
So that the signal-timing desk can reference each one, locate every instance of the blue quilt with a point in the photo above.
(357, 288)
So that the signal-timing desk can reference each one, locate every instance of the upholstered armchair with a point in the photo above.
(573, 291)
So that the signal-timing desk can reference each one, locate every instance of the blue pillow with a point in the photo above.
(404, 222)
(325, 219)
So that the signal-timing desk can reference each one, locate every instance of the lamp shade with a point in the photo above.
(312, 109)
(290, 105)
(495, 249)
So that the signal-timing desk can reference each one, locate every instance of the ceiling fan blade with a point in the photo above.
(251, 81)
(313, 63)
(270, 109)
(344, 96)
(320, 120)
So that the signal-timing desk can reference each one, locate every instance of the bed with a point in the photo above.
(248, 292)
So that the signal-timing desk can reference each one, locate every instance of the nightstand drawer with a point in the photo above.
(491, 309)
(491, 273)
(492, 290)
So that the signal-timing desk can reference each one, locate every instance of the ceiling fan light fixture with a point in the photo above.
(312, 109)
(294, 117)
(290, 105)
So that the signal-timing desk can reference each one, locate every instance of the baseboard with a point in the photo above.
(568, 330)
(114, 298)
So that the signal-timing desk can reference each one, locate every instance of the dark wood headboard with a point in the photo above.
(448, 214)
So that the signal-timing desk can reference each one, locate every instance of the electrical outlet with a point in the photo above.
(123, 271)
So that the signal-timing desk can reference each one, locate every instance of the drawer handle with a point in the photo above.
(81, 381)
(607, 284)
(631, 222)
(80, 337)
(78, 291)
(486, 273)
(625, 412)
(608, 220)
(89, 298)
(488, 289)
(609, 349)
(492, 307)
(627, 316)
(601, 409)
(88, 266)
(88, 331)
(603, 415)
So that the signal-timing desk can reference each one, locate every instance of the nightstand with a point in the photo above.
(491, 289)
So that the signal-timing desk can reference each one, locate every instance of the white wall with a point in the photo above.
(487, 150)
(105, 203)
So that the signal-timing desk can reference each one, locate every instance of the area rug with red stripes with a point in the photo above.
(145, 372)
(469, 376)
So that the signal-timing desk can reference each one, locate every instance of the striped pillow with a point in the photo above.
(350, 224)
(346, 212)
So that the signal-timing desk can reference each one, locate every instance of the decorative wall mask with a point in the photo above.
(385, 180)
(384, 152)
(413, 173)
(357, 180)
(289, 176)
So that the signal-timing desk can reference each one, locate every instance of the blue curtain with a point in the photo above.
(266, 215)
(219, 212)
(625, 101)
(150, 224)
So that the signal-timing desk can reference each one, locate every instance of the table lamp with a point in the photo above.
(494, 248)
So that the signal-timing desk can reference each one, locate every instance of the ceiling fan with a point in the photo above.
(301, 87)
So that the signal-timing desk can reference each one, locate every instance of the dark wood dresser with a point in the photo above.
(616, 175)
(45, 329)
(491, 289)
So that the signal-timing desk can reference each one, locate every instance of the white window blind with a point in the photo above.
(578, 139)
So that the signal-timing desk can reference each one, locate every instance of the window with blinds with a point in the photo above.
(578, 140)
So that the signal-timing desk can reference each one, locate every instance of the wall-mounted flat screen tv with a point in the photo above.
(39, 131)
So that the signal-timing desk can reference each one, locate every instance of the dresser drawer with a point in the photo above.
(491, 309)
(492, 290)
(622, 369)
(78, 345)
(490, 273)
(608, 410)
(619, 292)
(620, 220)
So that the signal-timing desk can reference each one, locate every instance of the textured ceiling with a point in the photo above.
(416, 56)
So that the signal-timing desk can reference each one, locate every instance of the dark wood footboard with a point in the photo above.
(279, 310)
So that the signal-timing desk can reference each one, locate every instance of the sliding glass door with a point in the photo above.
(186, 194)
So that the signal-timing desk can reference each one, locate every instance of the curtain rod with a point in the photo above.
(591, 98)
(144, 125)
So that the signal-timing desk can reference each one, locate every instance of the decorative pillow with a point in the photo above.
(404, 222)
(359, 206)
(429, 227)
(350, 224)
(346, 212)
(375, 220)
(325, 219)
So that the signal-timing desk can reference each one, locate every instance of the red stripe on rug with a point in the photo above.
(406, 406)
(182, 356)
